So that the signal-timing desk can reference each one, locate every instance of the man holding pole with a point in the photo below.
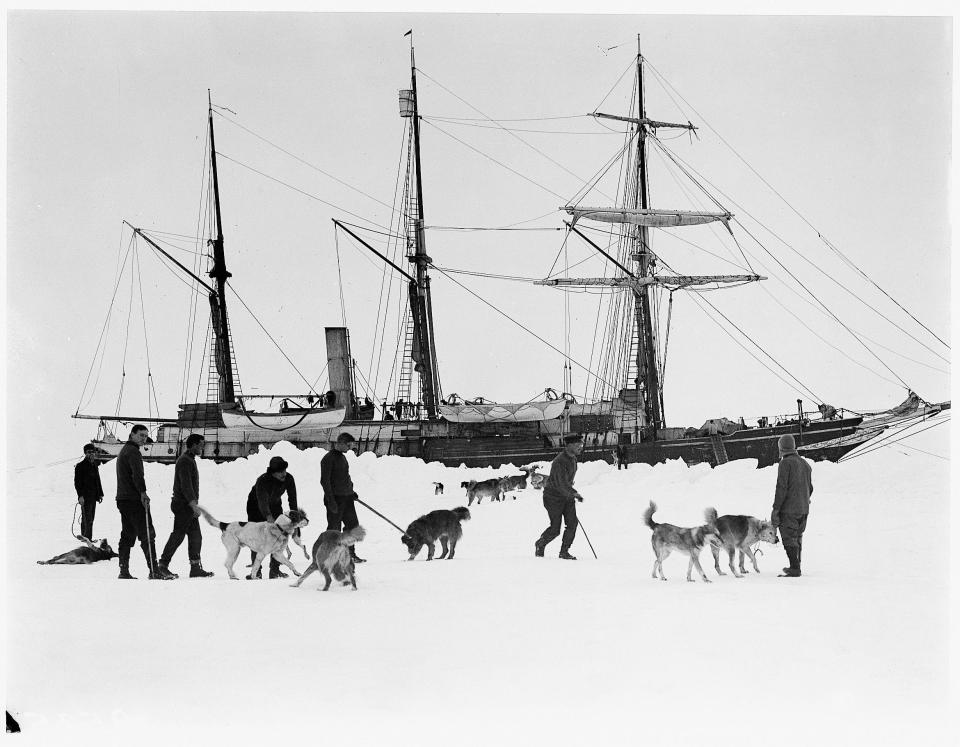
(338, 493)
(134, 506)
(560, 498)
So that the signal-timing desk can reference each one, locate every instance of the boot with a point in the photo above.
(196, 570)
(564, 555)
(277, 573)
(794, 569)
(125, 572)
(538, 549)
(356, 558)
(162, 574)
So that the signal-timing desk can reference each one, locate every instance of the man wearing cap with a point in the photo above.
(560, 498)
(791, 502)
(186, 493)
(86, 480)
(263, 503)
(338, 493)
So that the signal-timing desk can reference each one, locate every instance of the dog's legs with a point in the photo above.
(256, 566)
(328, 577)
(307, 571)
(351, 573)
(695, 561)
(716, 560)
(753, 558)
(658, 564)
(443, 545)
(232, 552)
(431, 548)
(286, 561)
(453, 547)
(731, 551)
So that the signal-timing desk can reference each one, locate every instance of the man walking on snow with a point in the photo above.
(186, 493)
(338, 493)
(791, 502)
(560, 498)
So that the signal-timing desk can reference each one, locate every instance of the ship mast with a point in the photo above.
(218, 298)
(424, 353)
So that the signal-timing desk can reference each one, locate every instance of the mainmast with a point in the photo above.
(218, 298)
(424, 352)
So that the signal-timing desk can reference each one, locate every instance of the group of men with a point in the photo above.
(790, 508)
(263, 502)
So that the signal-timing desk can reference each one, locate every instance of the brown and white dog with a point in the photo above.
(265, 538)
(741, 533)
(667, 537)
(535, 478)
(438, 488)
(90, 553)
(332, 557)
(483, 489)
(513, 482)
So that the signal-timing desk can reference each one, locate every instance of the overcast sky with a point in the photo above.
(847, 118)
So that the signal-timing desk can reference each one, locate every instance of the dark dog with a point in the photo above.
(741, 533)
(91, 553)
(331, 556)
(442, 524)
(667, 537)
(513, 482)
(438, 488)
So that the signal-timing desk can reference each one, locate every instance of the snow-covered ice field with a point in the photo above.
(496, 646)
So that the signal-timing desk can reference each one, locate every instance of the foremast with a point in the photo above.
(423, 351)
(218, 299)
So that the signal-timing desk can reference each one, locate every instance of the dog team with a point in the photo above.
(268, 529)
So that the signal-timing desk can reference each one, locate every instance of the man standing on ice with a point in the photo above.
(338, 493)
(263, 502)
(186, 493)
(86, 479)
(560, 498)
(791, 503)
(134, 506)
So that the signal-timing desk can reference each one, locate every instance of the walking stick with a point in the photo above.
(380, 515)
(587, 539)
(150, 548)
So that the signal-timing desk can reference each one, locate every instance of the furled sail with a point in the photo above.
(646, 216)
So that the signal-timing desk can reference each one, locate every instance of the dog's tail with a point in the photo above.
(221, 525)
(462, 512)
(353, 536)
(710, 515)
(648, 516)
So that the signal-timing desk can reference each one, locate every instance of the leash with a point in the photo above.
(73, 524)
(367, 505)
(587, 538)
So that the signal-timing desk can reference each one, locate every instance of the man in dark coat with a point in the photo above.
(791, 503)
(186, 493)
(338, 493)
(263, 502)
(86, 479)
(560, 498)
(134, 506)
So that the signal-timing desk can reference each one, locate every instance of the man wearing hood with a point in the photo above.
(791, 502)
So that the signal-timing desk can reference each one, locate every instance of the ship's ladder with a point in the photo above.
(719, 450)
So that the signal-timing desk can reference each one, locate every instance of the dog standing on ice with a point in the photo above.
(741, 533)
(667, 537)
(265, 538)
(331, 556)
(441, 524)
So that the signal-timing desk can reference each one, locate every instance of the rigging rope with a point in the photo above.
(881, 443)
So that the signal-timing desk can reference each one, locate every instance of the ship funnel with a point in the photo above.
(340, 368)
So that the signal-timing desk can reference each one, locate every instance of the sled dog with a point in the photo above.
(741, 533)
(332, 557)
(265, 538)
(90, 553)
(667, 537)
(442, 524)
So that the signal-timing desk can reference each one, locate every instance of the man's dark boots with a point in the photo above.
(793, 555)
(125, 571)
(356, 558)
(564, 555)
(538, 549)
(275, 571)
(196, 570)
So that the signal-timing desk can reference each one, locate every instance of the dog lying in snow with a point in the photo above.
(741, 533)
(91, 552)
(331, 556)
(667, 537)
(265, 538)
(441, 524)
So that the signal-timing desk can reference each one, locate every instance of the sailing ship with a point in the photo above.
(624, 421)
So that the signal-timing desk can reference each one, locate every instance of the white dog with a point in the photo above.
(263, 537)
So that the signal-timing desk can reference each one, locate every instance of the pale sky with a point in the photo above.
(848, 118)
